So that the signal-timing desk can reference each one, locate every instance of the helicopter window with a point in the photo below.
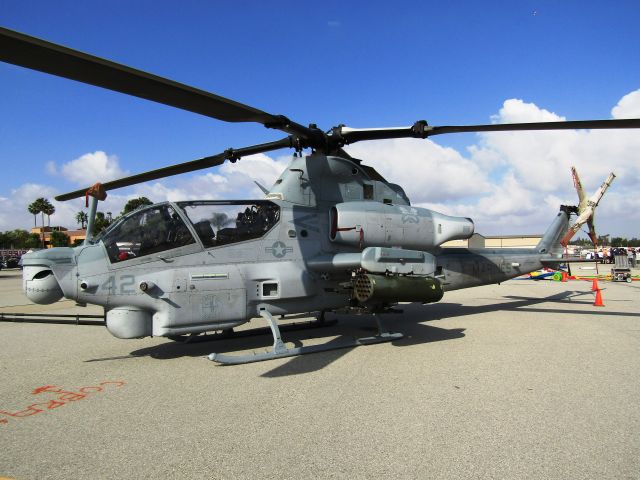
(367, 189)
(224, 223)
(148, 231)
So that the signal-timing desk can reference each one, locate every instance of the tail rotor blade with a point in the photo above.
(595, 198)
(578, 185)
(587, 208)
(592, 230)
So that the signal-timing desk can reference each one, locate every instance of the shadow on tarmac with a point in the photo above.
(524, 304)
(348, 327)
(11, 275)
(410, 323)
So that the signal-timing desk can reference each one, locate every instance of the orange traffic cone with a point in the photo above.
(598, 302)
(564, 276)
(595, 287)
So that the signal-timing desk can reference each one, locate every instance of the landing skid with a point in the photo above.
(253, 332)
(280, 350)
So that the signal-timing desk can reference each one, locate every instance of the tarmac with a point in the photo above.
(523, 380)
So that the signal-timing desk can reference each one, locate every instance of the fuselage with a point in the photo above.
(189, 267)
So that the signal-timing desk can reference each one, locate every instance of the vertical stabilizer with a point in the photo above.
(550, 242)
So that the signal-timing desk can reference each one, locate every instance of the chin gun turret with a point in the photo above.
(47, 273)
(40, 285)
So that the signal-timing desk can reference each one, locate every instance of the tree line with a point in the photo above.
(20, 239)
(608, 241)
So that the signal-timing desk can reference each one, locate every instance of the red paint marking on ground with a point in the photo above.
(63, 397)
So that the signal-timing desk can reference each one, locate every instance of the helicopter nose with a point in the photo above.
(40, 285)
(39, 282)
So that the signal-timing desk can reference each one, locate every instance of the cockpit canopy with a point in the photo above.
(166, 226)
(222, 223)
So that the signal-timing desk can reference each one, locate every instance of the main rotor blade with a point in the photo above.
(422, 130)
(566, 125)
(193, 165)
(34, 53)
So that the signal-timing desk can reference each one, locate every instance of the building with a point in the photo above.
(74, 235)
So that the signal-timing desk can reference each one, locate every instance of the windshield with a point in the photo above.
(106, 231)
(147, 231)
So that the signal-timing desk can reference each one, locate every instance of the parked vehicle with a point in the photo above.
(621, 271)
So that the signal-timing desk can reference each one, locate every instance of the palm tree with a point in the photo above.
(82, 218)
(40, 205)
(48, 211)
(33, 210)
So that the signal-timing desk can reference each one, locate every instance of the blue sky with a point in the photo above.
(365, 64)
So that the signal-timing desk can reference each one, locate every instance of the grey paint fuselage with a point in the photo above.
(294, 267)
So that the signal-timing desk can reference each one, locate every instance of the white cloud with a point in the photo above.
(516, 110)
(628, 106)
(14, 214)
(541, 161)
(90, 168)
(260, 168)
(427, 171)
(509, 208)
(233, 181)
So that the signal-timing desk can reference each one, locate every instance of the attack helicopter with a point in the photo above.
(330, 235)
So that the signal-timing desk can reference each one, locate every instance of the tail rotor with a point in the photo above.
(586, 208)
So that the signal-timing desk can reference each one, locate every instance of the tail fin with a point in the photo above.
(550, 242)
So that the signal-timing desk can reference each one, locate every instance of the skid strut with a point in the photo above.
(280, 350)
(253, 332)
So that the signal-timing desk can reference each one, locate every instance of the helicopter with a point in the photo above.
(331, 234)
